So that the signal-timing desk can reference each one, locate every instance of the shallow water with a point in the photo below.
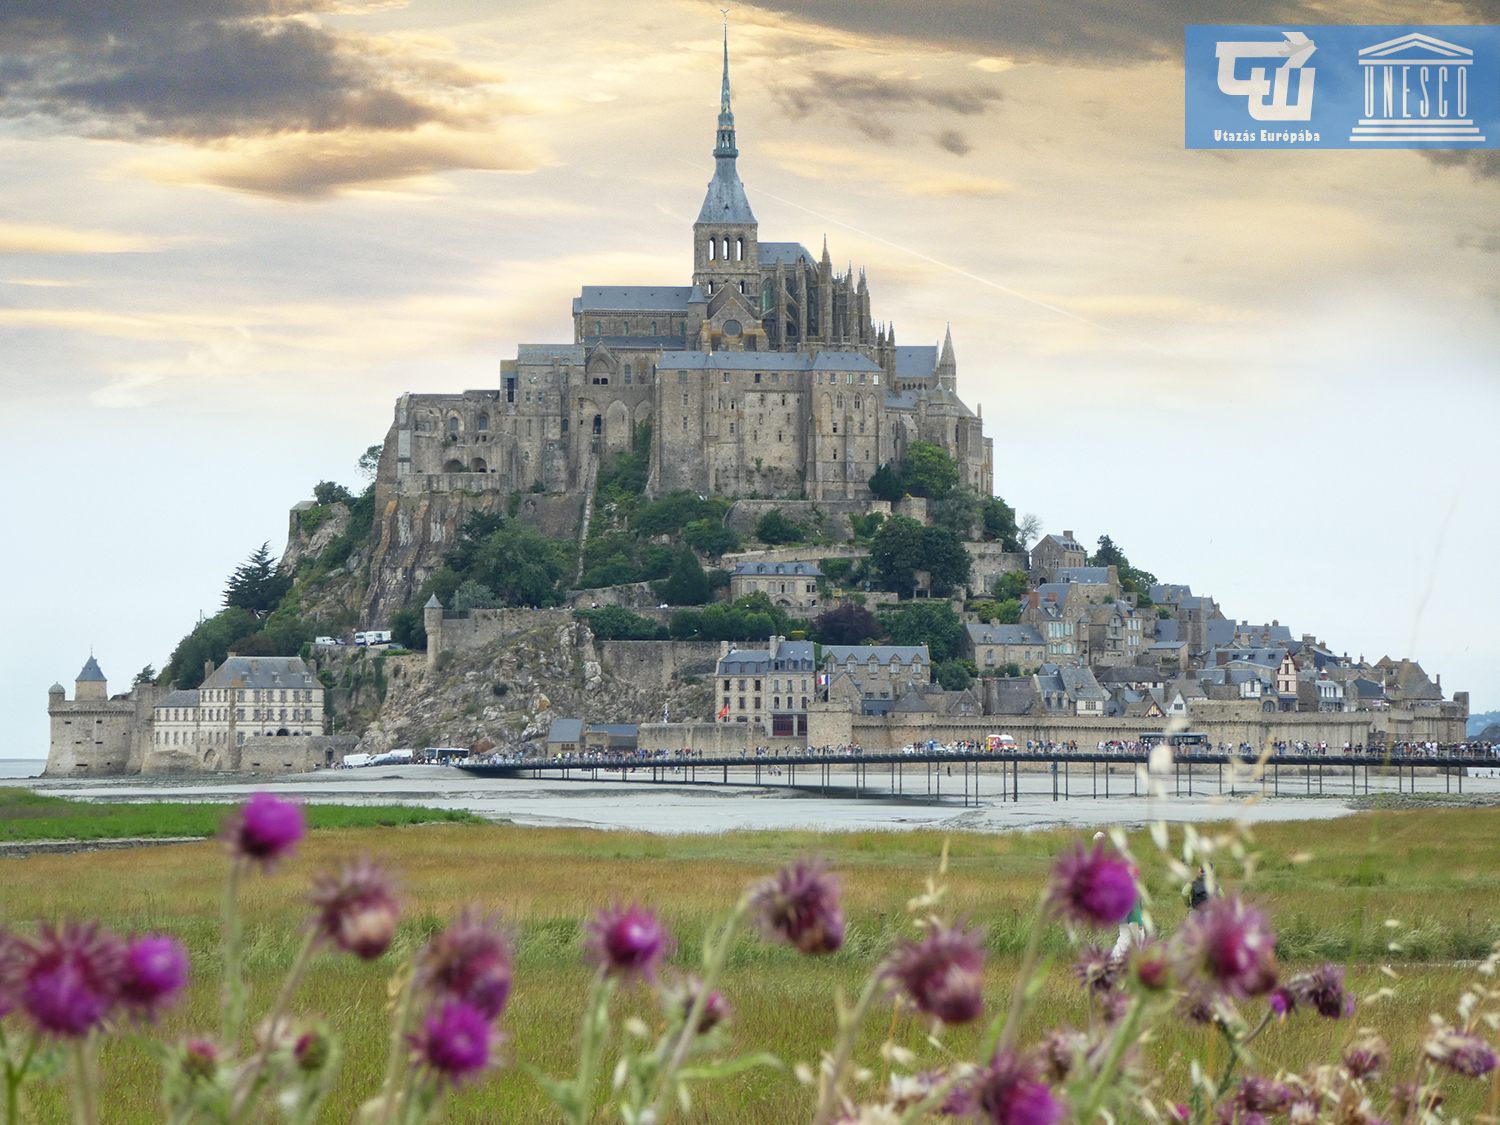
(686, 808)
(22, 767)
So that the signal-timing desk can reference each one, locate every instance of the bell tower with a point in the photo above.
(726, 256)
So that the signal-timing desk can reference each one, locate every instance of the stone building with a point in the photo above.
(994, 646)
(770, 687)
(764, 374)
(791, 585)
(245, 697)
(1055, 552)
(93, 735)
(880, 673)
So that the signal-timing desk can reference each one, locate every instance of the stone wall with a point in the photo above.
(295, 753)
(658, 663)
(990, 562)
(486, 628)
(711, 739)
(101, 738)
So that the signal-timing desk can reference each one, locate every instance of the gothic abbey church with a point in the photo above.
(764, 376)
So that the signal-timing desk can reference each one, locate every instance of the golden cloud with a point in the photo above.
(317, 165)
(40, 238)
(909, 177)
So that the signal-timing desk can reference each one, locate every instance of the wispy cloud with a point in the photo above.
(41, 238)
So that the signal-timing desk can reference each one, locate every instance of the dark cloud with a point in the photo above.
(868, 102)
(1120, 31)
(201, 70)
(1484, 164)
(955, 142)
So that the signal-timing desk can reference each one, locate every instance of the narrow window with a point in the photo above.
(626, 331)
(739, 255)
(653, 328)
(682, 377)
(598, 328)
(713, 249)
(627, 373)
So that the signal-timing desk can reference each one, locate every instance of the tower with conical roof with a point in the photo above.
(947, 365)
(90, 686)
(726, 257)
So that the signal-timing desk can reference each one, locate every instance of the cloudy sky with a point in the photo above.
(233, 231)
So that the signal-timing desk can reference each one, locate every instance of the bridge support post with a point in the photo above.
(1095, 770)
(1015, 773)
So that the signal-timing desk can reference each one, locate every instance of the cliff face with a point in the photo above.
(506, 694)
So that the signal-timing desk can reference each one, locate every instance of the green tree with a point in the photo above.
(710, 536)
(958, 512)
(928, 471)
(1000, 523)
(930, 623)
(328, 492)
(408, 628)
(1012, 585)
(896, 552)
(886, 484)
(256, 586)
(1132, 579)
(211, 639)
(952, 675)
(473, 595)
(1009, 612)
(369, 462)
(845, 625)
(687, 584)
(773, 528)
(866, 526)
(672, 512)
(146, 675)
(945, 558)
(520, 566)
(616, 623)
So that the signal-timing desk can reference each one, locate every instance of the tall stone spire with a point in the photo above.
(725, 143)
(947, 365)
(725, 201)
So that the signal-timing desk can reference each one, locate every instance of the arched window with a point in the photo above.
(598, 328)
(453, 424)
(858, 403)
(713, 249)
(742, 287)
(726, 249)
(627, 373)
(841, 400)
(653, 328)
(598, 423)
(739, 251)
(626, 330)
(484, 422)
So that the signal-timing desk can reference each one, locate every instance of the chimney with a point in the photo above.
(208, 668)
(255, 665)
(1067, 535)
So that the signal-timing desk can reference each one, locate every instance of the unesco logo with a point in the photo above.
(1342, 86)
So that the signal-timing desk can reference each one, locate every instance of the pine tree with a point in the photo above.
(256, 586)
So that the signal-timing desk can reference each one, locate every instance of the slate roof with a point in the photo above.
(911, 703)
(788, 253)
(531, 355)
(798, 655)
(90, 673)
(781, 569)
(1129, 674)
(1015, 695)
(261, 672)
(565, 730)
(1166, 630)
(900, 400)
(179, 699)
(1169, 593)
(1080, 684)
(631, 298)
(1004, 635)
(916, 362)
(1086, 575)
(883, 654)
(725, 200)
(1220, 633)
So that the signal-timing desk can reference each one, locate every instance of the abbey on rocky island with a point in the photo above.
(765, 376)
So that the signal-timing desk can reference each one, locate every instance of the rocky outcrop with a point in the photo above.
(507, 693)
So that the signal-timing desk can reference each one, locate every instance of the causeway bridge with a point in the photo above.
(924, 774)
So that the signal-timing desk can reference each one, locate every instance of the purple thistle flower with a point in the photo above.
(1367, 1056)
(799, 905)
(1152, 966)
(1323, 989)
(627, 940)
(943, 973)
(455, 1041)
(1097, 969)
(266, 828)
(1463, 1054)
(1197, 1004)
(312, 1051)
(200, 1060)
(1282, 1001)
(1008, 1092)
(1231, 945)
(73, 977)
(156, 968)
(678, 1003)
(1262, 1095)
(1095, 888)
(357, 910)
(471, 961)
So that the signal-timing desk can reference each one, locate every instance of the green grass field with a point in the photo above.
(25, 815)
(1435, 871)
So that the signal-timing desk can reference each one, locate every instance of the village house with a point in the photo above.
(791, 585)
(1053, 552)
(769, 687)
(994, 646)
